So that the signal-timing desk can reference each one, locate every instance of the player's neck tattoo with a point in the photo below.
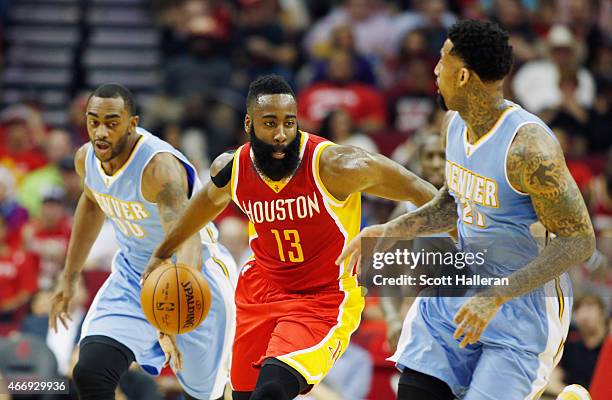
(480, 108)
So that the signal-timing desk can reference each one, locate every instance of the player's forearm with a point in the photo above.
(190, 252)
(200, 210)
(439, 215)
(557, 257)
(88, 221)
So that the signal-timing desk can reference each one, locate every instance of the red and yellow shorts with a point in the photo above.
(308, 331)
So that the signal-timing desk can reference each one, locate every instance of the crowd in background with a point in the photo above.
(362, 71)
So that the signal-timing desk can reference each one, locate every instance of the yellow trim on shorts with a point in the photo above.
(222, 265)
(315, 362)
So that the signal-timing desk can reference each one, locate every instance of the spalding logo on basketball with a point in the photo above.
(175, 299)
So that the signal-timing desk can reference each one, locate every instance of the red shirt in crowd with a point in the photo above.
(18, 274)
(361, 101)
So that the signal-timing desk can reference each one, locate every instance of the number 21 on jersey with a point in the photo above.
(288, 242)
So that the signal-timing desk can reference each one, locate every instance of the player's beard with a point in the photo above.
(271, 167)
(115, 149)
(441, 102)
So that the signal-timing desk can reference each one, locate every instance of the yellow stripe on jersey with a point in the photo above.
(235, 171)
(346, 213)
(560, 297)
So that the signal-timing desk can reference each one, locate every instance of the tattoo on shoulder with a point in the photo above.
(172, 197)
(537, 167)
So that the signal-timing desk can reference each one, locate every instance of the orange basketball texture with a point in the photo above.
(175, 299)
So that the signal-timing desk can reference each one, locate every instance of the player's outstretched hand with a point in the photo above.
(352, 252)
(474, 316)
(60, 304)
(174, 358)
(154, 263)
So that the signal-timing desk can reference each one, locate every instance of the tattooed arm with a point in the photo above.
(536, 166)
(438, 215)
(164, 182)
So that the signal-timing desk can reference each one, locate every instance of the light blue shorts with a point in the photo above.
(513, 359)
(116, 313)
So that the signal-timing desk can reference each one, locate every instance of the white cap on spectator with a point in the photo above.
(560, 36)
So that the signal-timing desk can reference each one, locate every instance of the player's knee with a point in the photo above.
(90, 378)
(272, 390)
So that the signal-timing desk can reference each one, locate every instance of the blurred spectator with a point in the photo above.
(195, 46)
(601, 202)
(584, 342)
(13, 214)
(568, 114)
(338, 127)
(371, 23)
(412, 47)
(412, 99)
(536, 83)
(343, 40)
(512, 16)
(599, 121)
(18, 282)
(364, 103)
(431, 17)
(47, 236)
(77, 120)
(71, 182)
(586, 19)
(575, 148)
(294, 16)
(57, 147)
(260, 41)
(23, 131)
(407, 153)
(234, 235)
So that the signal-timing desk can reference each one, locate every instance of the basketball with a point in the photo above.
(574, 392)
(175, 298)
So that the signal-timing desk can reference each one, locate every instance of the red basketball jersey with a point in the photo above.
(297, 228)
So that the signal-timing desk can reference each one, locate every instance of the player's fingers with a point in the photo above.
(475, 337)
(461, 329)
(349, 250)
(63, 318)
(461, 314)
(179, 361)
(167, 359)
(53, 320)
(459, 317)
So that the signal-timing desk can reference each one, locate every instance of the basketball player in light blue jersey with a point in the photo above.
(141, 184)
(504, 171)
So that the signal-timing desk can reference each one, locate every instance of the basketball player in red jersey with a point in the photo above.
(296, 309)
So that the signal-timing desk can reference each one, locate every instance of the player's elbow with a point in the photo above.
(589, 247)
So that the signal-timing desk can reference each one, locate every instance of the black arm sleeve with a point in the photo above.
(223, 177)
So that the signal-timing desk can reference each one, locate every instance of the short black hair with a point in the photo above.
(267, 84)
(114, 90)
(483, 46)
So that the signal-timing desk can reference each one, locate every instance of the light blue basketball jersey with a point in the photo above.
(492, 213)
(524, 341)
(116, 311)
(136, 221)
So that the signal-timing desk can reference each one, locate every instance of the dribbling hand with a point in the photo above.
(174, 358)
(60, 304)
(154, 263)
